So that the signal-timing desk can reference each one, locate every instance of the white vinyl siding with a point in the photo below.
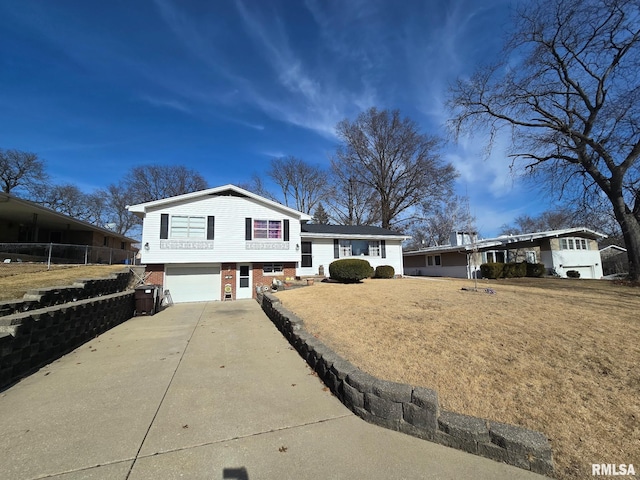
(230, 244)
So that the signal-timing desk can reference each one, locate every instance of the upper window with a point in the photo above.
(183, 226)
(574, 244)
(271, 229)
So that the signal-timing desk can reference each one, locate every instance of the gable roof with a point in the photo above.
(19, 210)
(224, 190)
(350, 231)
(511, 241)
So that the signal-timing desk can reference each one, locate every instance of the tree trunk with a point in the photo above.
(631, 233)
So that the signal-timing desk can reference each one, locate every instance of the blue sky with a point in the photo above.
(224, 86)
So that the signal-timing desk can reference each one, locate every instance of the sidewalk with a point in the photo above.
(204, 391)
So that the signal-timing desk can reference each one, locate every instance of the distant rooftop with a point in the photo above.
(348, 230)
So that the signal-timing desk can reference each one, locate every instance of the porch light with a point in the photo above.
(146, 246)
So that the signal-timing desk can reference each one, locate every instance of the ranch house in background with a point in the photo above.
(31, 232)
(224, 242)
(559, 251)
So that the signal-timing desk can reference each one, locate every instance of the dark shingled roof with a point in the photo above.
(347, 229)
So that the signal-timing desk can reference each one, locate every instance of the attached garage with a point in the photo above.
(584, 271)
(193, 283)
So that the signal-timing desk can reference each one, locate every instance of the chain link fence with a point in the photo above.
(62, 253)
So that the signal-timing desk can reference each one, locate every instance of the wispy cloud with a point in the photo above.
(165, 103)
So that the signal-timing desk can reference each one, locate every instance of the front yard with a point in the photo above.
(558, 356)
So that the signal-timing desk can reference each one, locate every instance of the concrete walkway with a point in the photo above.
(203, 391)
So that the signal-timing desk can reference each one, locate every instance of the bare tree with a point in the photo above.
(20, 169)
(549, 220)
(257, 186)
(568, 89)
(303, 185)
(147, 183)
(67, 199)
(388, 155)
(436, 222)
(352, 202)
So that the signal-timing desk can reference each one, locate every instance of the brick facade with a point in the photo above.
(228, 276)
(156, 274)
(260, 279)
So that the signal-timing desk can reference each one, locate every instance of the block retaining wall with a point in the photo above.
(29, 340)
(81, 289)
(411, 410)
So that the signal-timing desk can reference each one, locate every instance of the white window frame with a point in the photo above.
(571, 243)
(374, 248)
(345, 248)
(188, 226)
(264, 233)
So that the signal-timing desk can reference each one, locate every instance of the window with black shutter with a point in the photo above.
(164, 226)
(247, 229)
(211, 223)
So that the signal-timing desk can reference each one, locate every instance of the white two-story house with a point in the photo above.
(224, 242)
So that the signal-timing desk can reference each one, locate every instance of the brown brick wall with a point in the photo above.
(156, 274)
(259, 279)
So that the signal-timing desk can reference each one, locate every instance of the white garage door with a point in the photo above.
(189, 283)
(585, 272)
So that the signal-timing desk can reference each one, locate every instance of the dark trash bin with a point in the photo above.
(146, 297)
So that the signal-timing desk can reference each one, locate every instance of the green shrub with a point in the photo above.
(491, 270)
(350, 270)
(573, 274)
(384, 271)
(536, 269)
(514, 270)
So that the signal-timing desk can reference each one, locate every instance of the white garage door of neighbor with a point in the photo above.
(193, 284)
(585, 272)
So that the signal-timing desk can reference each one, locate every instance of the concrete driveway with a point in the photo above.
(203, 391)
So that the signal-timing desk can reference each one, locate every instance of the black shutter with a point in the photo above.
(164, 225)
(286, 230)
(336, 248)
(383, 248)
(211, 223)
(247, 229)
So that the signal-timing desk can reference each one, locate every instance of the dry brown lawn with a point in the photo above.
(558, 356)
(17, 278)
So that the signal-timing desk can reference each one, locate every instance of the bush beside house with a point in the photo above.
(512, 270)
(384, 271)
(350, 270)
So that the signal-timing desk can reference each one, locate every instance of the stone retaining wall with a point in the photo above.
(81, 289)
(411, 410)
(29, 340)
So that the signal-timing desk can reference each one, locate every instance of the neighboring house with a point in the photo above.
(322, 244)
(559, 250)
(224, 242)
(614, 260)
(25, 223)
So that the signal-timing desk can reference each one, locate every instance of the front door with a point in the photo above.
(244, 287)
